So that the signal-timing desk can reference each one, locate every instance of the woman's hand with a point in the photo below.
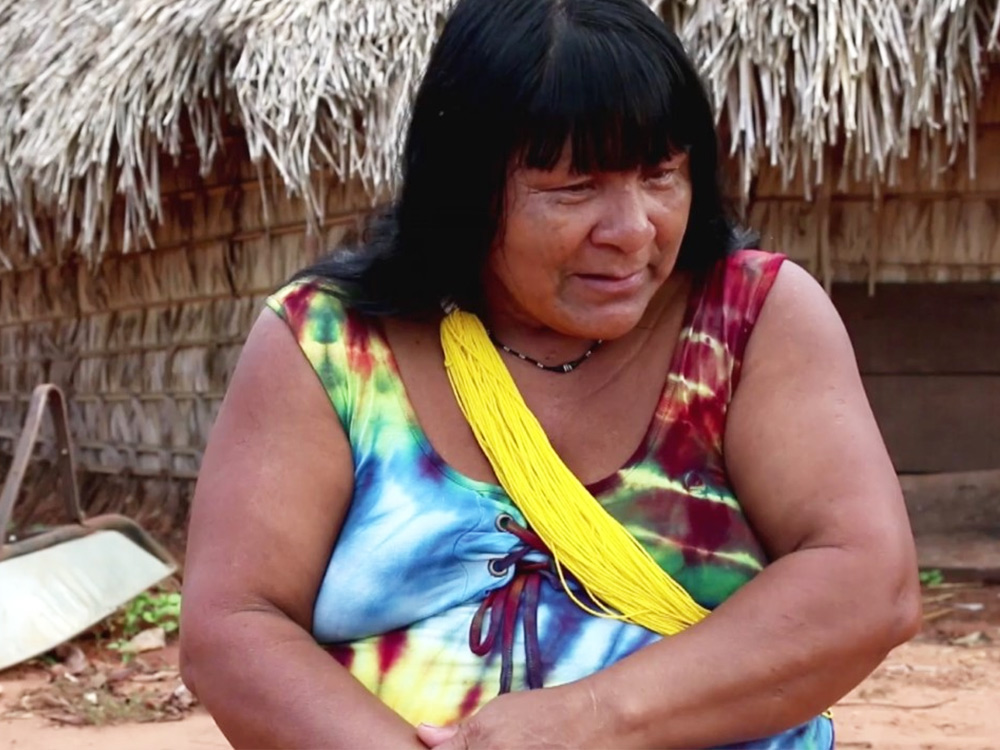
(561, 717)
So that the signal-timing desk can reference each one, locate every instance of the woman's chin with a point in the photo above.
(604, 324)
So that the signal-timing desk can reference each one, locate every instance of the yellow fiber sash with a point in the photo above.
(610, 563)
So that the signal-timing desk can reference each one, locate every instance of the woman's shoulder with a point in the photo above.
(750, 266)
(317, 307)
(732, 296)
(738, 284)
(338, 341)
(304, 294)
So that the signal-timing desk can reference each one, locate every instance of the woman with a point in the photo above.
(356, 575)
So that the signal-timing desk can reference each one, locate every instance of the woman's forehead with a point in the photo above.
(565, 161)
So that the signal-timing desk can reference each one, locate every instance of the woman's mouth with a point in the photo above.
(613, 284)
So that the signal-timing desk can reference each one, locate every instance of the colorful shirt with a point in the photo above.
(426, 558)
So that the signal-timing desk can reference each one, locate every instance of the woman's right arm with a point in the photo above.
(274, 486)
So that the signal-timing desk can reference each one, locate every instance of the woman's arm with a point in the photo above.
(808, 464)
(810, 469)
(273, 489)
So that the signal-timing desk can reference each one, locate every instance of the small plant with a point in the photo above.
(152, 609)
(931, 578)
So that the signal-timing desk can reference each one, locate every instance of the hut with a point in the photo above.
(164, 164)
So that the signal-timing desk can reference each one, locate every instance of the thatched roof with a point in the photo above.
(93, 91)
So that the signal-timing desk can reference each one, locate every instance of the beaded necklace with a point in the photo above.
(563, 368)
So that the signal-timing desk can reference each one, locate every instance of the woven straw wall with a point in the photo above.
(145, 343)
(926, 227)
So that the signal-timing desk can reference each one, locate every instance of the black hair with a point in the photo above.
(510, 82)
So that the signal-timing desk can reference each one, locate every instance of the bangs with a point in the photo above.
(613, 98)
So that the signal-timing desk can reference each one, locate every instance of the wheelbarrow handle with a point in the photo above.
(43, 396)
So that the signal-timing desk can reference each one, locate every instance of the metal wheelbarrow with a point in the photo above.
(56, 584)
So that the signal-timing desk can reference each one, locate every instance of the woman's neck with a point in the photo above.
(515, 328)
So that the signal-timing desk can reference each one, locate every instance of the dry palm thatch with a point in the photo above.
(92, 91)
(794, 77)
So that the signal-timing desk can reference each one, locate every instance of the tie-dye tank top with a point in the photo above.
(436, 594)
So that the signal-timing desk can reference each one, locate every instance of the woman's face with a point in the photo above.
(583, 254)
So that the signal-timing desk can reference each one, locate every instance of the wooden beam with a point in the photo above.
(938, 423)
(923, 328)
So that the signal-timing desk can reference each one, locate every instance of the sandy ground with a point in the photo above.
(940, 691)
(927, 696)
(197, 731)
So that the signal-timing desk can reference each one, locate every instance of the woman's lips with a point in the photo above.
(613, 285)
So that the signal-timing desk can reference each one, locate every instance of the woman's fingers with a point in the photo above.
(435, 736)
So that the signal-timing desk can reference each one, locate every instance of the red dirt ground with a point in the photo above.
(941, 691)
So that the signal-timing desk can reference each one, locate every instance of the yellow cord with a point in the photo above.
(612, 566)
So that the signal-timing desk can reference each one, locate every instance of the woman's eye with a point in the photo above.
(576, 187)
(661, 176)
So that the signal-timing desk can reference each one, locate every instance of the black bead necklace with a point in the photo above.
(563, 368)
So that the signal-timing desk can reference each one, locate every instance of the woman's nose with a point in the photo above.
(625, 223)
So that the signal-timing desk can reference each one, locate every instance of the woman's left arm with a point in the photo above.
(808, 464)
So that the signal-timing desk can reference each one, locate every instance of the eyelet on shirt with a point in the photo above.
(496, 568)
(693, 480)
(503, 521)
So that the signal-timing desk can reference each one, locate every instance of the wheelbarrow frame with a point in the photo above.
(43, 396)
